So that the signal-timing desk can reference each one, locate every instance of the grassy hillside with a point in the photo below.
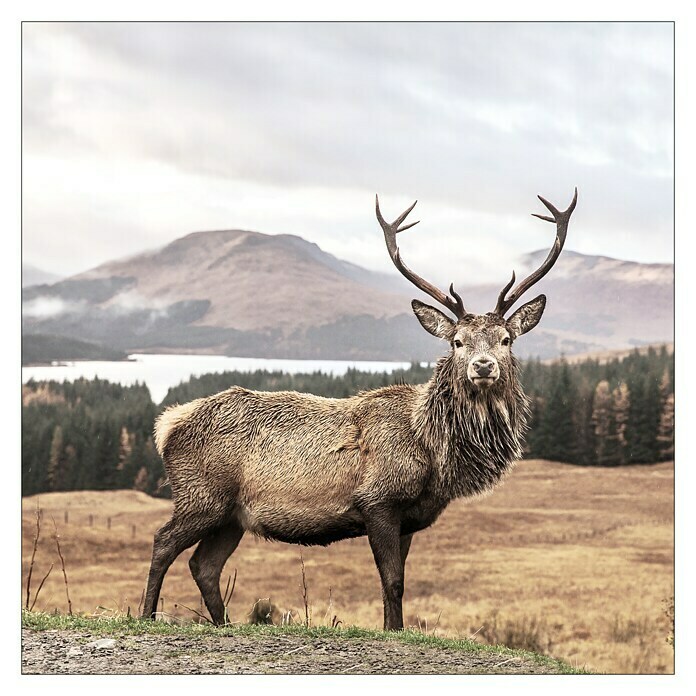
(571, 562)
(243, 648)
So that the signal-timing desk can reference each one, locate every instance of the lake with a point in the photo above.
(160, 372)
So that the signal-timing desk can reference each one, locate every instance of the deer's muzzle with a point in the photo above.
(483, 370)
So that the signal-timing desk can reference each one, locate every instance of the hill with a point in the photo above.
(244, 293)
(605, 356)
(42, 348)
(32, 275)
(137, 647)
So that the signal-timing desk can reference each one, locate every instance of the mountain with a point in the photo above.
(250, 294)
(594, 303)
(252, 281)
(32, 275)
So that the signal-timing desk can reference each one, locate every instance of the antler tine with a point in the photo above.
(460, 305)
(561, 219)
(403, 216)
(398, 220)
(390, 231)
(501, 297)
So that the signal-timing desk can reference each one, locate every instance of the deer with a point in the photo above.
(384, 463)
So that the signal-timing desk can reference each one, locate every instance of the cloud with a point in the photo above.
(132, 301)
(44, 307)
(312, 119)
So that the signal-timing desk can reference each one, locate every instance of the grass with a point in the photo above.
(128, 626)
(527, 633)
(574, 562)
(624, 630)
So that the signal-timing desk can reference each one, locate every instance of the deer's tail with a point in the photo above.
(169, 419)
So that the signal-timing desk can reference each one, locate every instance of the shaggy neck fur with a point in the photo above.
(474, 435)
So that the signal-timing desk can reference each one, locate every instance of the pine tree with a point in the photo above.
(142, 480)
(621, 404)
(71, 463)
(587, 442)
(643, 420)
(665, 432)
(557, 427)
(56, 461)
(124, 449)
(608, 450)
(665, 387)
(125, 467)
(106, 454)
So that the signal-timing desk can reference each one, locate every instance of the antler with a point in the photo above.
(561, 219)
(390, 231)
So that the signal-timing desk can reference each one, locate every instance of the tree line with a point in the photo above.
(93, 434)
(602, 413)
(88, 435)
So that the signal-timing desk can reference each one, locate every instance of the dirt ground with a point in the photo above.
(67, 652)
(572, 562)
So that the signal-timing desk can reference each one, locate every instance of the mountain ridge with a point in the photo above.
(33, 275)
(247, 293)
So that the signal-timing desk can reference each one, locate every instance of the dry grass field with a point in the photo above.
(572, 562)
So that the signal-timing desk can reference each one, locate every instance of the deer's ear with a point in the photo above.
(433, 320)
(527, 316)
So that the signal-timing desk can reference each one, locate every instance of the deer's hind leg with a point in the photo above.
(207, 563)
(170, 540)
(404, 547)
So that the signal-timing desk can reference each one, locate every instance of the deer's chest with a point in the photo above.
(423, 511)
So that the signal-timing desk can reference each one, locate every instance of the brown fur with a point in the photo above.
(385, 463)
(310, 470)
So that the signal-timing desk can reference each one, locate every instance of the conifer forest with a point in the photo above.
(93, 434)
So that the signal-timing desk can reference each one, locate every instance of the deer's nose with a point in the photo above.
(483, 367)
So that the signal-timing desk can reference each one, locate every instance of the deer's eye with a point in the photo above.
(457, 343)
(506, 341)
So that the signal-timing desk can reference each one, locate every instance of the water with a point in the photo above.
(160, 372)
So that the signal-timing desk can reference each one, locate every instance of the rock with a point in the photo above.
(75, 652)
(103, 644)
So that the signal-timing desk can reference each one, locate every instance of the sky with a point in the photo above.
(136, 134)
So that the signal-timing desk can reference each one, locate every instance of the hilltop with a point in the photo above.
(140, 647)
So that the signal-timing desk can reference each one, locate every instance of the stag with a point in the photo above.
(385, 463)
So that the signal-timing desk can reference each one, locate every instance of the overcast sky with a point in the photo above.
(136, 134)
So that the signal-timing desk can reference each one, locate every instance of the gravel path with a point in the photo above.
(71, 652)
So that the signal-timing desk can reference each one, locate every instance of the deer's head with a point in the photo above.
(480, 343)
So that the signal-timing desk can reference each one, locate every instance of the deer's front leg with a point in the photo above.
(383, 532)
